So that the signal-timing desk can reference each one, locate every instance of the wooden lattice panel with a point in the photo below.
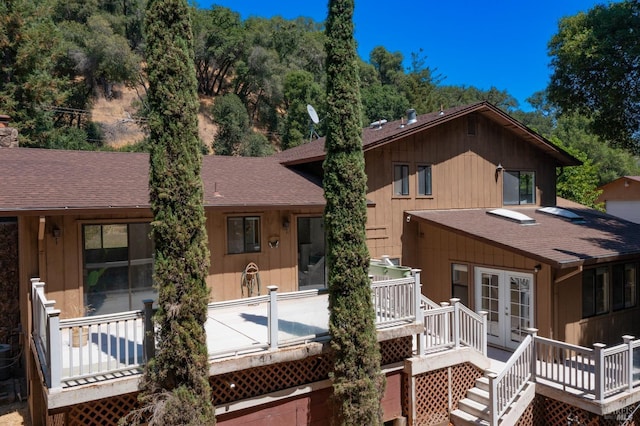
(396, 350)
(528, 417)
(56, 419)
(560, 413)
(463, 378)
(102, 412)
(432, 397)
(252, 382)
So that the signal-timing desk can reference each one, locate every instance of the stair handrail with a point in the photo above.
(505, 386)
(428, 303)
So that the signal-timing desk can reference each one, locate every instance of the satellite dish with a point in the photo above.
(313, 114)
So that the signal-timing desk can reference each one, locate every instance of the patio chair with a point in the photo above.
(250, 279)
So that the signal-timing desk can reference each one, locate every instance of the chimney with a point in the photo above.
(8, 135)
(411, 116)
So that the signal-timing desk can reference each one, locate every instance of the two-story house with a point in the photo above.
(469, 196)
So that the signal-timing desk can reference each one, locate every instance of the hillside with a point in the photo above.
(119, 128)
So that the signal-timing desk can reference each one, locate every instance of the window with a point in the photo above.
(519, 188)
(460, 283)
(595, 291)
(401, 179)
(243, 234)
(624, 286)
(118, 267)
(424, 180)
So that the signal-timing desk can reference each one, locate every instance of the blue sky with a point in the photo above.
(500, 43)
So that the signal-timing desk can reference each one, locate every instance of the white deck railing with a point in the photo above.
(106, 345)
(394, 301)
(452, 325)
(505, 386)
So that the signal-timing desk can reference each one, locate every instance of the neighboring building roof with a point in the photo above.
(552, 239)
(42, 179)
(392, 131)
(622, 188)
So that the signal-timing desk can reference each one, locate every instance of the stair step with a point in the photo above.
(462, 418)
(483, 383)
(474, 408)
(478, 395)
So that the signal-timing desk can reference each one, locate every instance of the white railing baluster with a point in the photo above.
(628, 340)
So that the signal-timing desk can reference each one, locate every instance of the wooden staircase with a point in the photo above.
(475, 408)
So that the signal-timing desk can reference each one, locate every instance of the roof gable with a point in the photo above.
(396, 130)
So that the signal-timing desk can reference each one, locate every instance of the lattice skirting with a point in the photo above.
(438, 392)
(551, 412)
(234, 386)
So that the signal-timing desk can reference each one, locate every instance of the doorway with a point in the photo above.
(311, 264)
(507, 297)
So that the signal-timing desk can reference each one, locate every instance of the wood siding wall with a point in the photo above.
(58, 262)
(463, 176)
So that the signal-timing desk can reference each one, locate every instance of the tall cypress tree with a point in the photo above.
(175, 389)
(357, 380)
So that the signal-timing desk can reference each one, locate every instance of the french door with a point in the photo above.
(507, 297)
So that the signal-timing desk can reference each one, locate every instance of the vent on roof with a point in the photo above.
(562, 213)
(411, 116)
(378, 124)
(513, 216)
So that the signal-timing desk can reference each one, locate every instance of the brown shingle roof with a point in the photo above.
(372, 137)
(40, 180)
(551, 240)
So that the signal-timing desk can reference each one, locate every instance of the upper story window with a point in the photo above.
(424, 180)
(401, 179)
(243, 234)
(519, 187)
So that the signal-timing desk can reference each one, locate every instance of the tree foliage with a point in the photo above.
(175, 389)
(235, 136)
(596, 69)
(357, 380)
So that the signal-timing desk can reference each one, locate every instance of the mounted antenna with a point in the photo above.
(313, 115)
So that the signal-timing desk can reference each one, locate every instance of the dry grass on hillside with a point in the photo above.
(115, 118)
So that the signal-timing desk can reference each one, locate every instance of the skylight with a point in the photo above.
(562, 213)
(513, 216)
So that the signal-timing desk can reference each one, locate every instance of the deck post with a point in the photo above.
(420, 338)
(628, 340)
(483, 332)
(54, 348)
(149, 348)
(598, 349)
(493, 398)
(533, 332)
(456, 322)
(273, 316)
